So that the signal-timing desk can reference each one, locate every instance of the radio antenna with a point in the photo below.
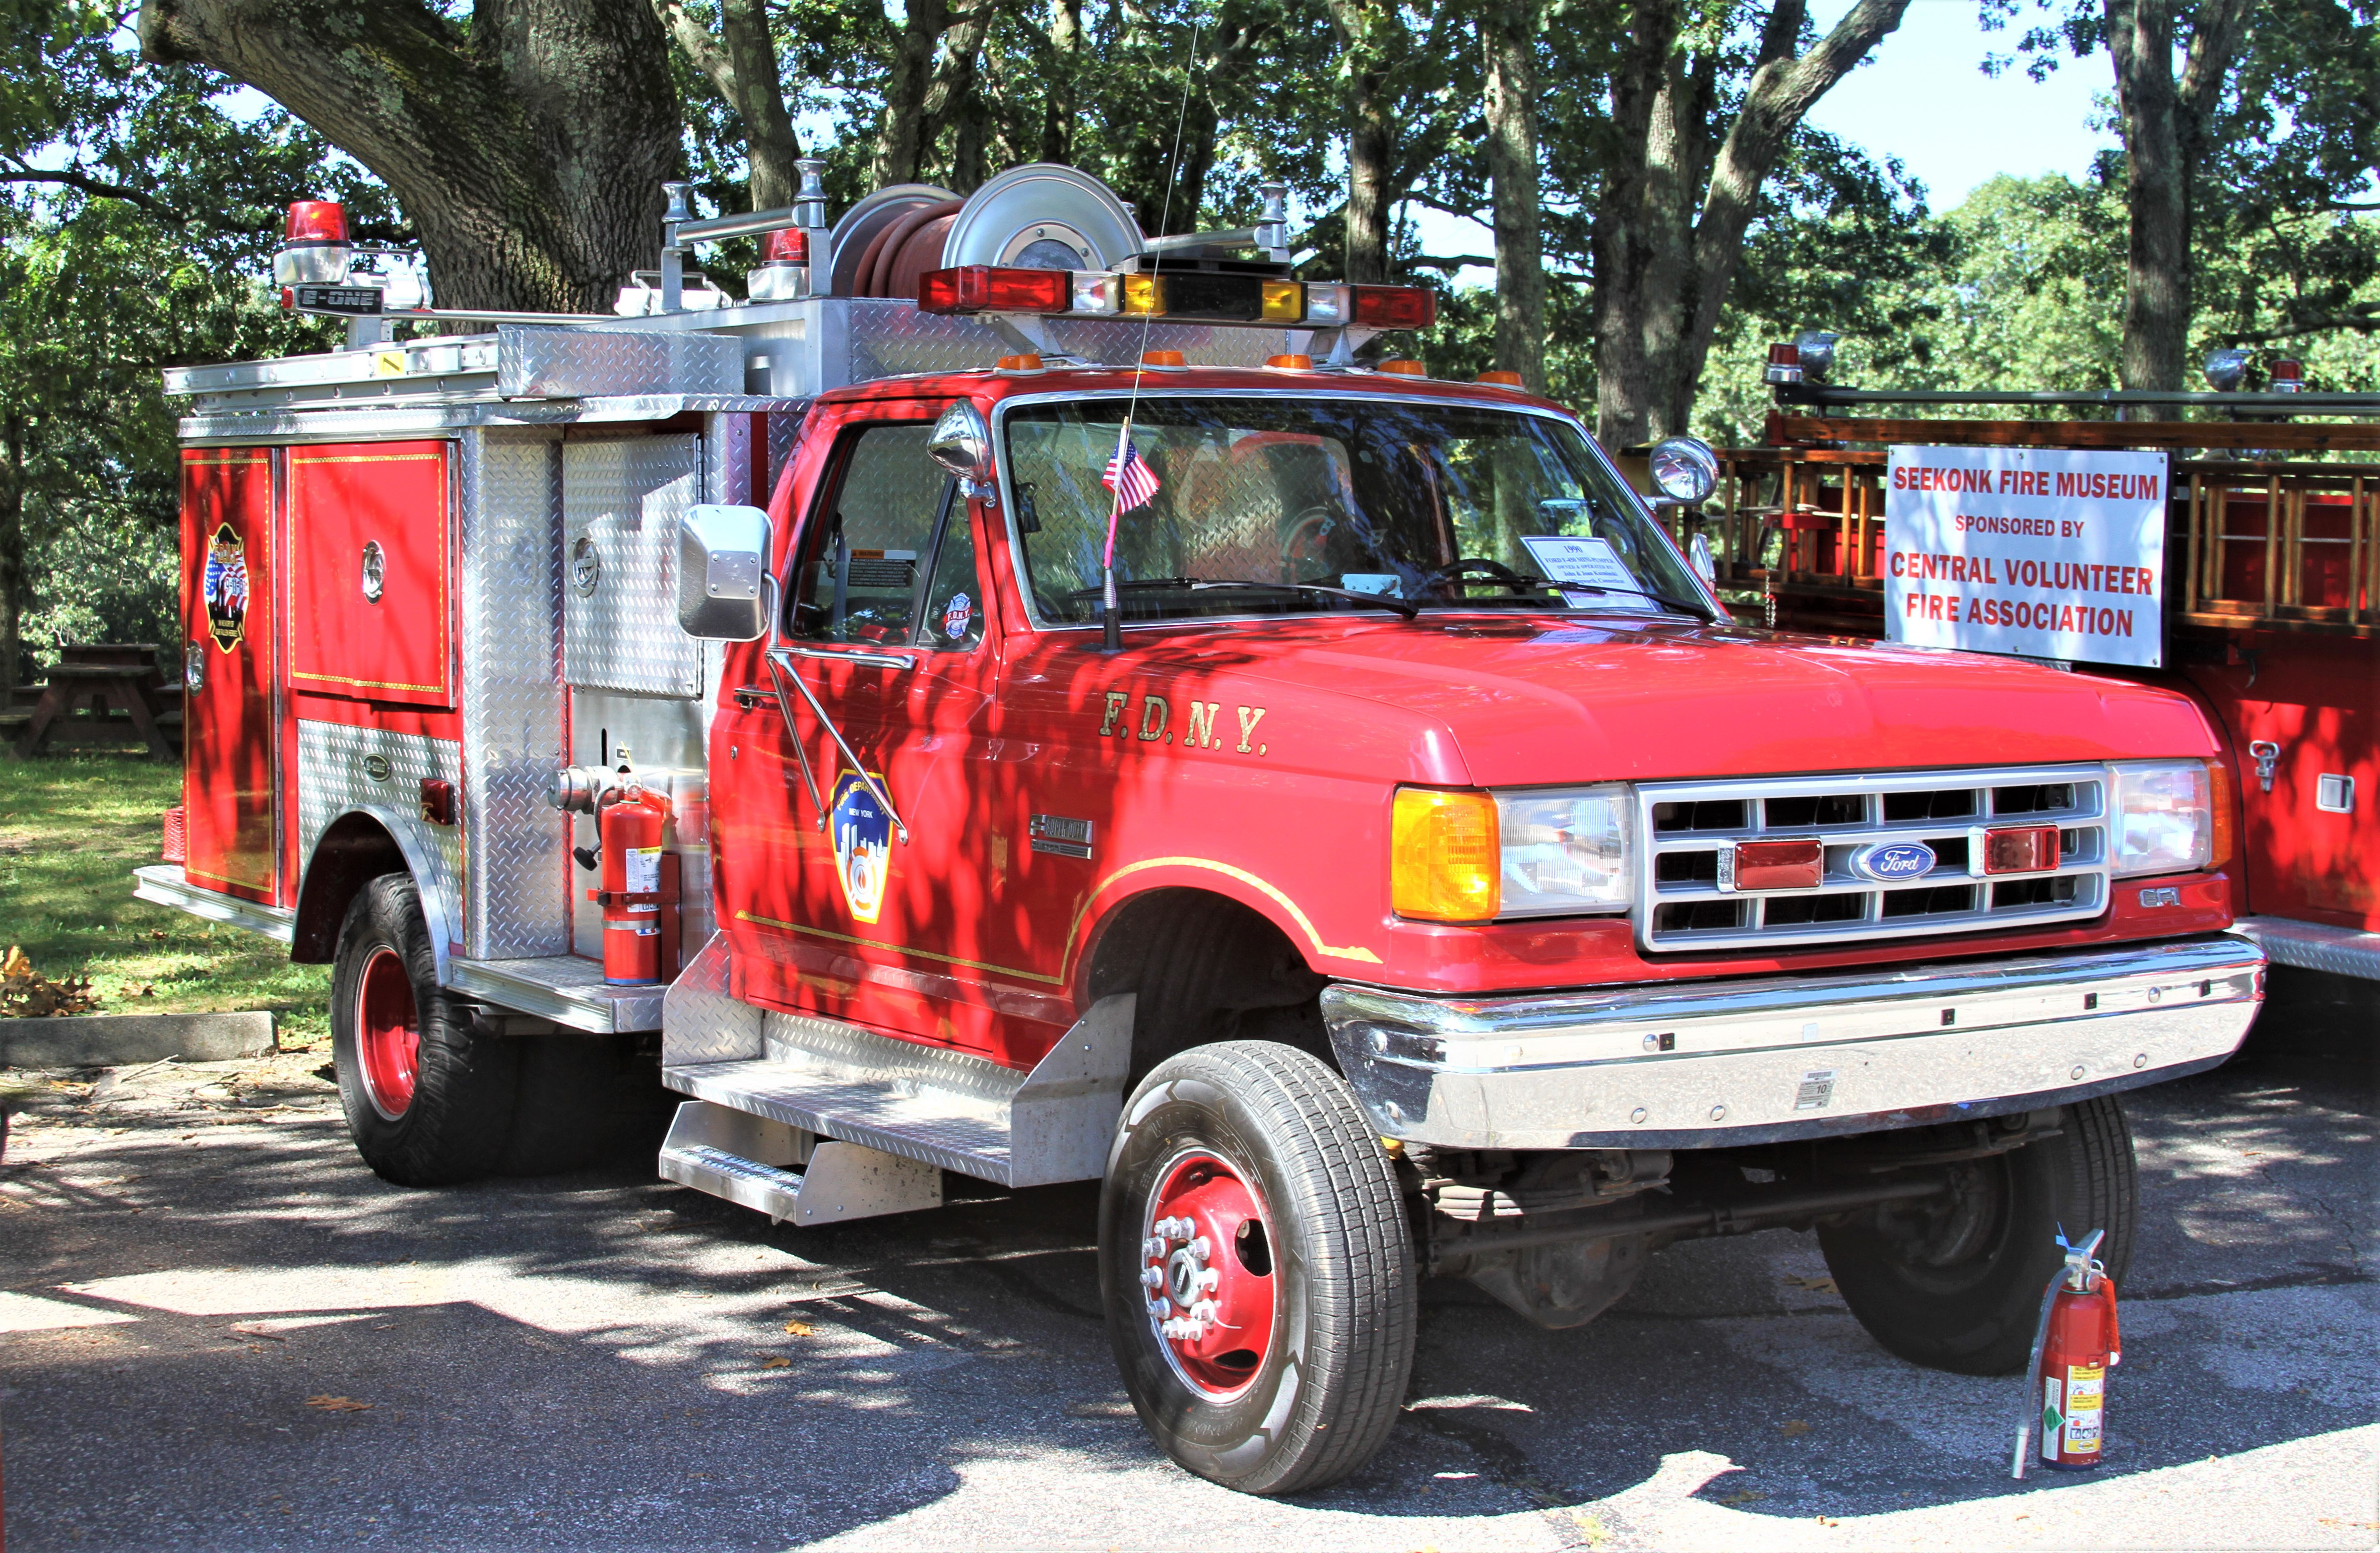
(1112, 625)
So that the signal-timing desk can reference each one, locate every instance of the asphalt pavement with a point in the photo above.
(219, 1330)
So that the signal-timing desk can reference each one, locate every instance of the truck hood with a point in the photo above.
(1549, 699)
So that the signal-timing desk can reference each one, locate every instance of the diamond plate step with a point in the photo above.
(951, 1109)
(711, 1149)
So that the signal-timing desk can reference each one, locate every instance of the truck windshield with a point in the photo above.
(1297, 503)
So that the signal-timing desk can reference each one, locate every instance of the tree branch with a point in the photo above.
(98, 188)
(700, 49)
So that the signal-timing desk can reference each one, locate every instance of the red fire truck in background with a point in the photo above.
(2271, 596)
(1019, 697)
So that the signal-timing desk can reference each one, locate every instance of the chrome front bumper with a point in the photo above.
(1709, 1064)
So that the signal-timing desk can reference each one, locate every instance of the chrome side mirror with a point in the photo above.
(722, 563)
(962, 444)
(1685, 471)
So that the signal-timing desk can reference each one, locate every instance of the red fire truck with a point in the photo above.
(1023, 699)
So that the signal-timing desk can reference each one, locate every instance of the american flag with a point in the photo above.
(1129, 474)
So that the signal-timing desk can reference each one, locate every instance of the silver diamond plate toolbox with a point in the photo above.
(534, 363)
(620, 501)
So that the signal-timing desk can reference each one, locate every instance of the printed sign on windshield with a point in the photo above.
(2038, 552)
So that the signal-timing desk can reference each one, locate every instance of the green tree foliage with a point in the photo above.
(139, 212)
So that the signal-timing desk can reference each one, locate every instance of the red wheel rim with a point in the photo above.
(388, 1033)
(1207, 1273)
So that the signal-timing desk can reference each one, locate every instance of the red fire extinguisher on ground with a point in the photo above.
(2075, 1346)
(640, 886)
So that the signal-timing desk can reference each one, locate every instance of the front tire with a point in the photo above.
(1256, 1268)
(1955, 1283)
(428, 1103)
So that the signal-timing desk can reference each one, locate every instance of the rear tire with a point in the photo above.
(1955, 1283)
(427, 1102)
(1296, 1377)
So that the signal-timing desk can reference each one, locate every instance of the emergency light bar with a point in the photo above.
(1184, 295)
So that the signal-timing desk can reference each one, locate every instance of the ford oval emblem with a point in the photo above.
(1891, 862)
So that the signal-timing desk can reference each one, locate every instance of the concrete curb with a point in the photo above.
(100, 1040)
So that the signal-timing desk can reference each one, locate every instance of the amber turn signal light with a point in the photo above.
(2218, 801)
(1503, 378)
(1405, 368)
(1029, 362)
(1443, 855)
(1167, 360)
(1293, 362)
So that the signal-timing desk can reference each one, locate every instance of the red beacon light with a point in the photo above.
(1394, 306)
(314, 249)
(2288, 375)
(987, 289)
(785, 271)
(1784, 363)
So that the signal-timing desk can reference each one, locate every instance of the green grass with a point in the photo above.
(72, 829)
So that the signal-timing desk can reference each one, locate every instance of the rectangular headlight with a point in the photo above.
(1567, 852)
(2163, 816)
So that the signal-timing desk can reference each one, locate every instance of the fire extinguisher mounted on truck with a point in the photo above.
(1411, 871)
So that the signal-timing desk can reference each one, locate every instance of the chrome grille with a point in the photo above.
(1687, 898)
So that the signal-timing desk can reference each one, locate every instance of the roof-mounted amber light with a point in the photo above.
(1404, 369)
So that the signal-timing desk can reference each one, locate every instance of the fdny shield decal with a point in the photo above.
(863, 845)
(224, 588)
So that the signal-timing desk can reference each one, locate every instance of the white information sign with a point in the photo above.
(1587, 564)
(2041, 552)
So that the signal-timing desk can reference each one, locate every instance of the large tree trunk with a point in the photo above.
(742, 65)
(2157, 268)
(1508, 37)
(2164, 123)
(900, 145)
(1666, 288)
(955, 98)
(529, 147)
(1065, 61)
(1368, 36)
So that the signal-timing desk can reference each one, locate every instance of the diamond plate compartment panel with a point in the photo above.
(891, 337)
(784, 431)
(340, 768)
(518, 858)
(620, 501)
(535, 362)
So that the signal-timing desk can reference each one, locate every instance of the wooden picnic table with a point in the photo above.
(105, 676)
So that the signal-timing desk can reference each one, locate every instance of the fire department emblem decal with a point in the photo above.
(863, 845)
(224, 588)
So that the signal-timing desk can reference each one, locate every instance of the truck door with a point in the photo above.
(886, 625)
(228, 660)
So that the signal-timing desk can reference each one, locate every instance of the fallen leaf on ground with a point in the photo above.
(1741, 1496)
(260, 1332)
(1793, 1427)
(338, 1404)
(774, 1362)
(799, 1329)
(1815, 1285)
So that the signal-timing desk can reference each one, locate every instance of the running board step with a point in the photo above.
(727, 1154)
(829, 1079)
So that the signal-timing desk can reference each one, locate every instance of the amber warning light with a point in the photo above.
(1191, 296)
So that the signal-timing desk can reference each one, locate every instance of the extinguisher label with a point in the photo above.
(2086, 1395)
(644, 870)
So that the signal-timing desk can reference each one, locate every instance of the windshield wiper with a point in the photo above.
(1404, 607)
(1661, 599)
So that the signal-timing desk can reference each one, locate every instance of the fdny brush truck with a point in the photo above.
(1395, 863)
